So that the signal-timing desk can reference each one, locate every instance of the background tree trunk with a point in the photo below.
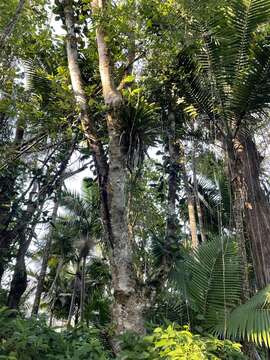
(82, 298)
(191, 206)
(173, 181)
(196, 193)
(74, 293)
(245, 171)
(7, 192)
(45, 259)
(19, 279)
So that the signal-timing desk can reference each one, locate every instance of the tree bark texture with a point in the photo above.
(19, 279)
(129, 303)
(245, 178)
(128, 306)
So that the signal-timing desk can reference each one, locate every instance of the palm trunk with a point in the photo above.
(45, 259)
(73, 297)
(245, 171)
(82, 298)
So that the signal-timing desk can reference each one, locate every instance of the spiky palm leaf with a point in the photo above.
(250, 321)
(210, 279)
(140, 127)
(228, 78)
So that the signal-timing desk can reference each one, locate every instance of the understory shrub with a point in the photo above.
(178, 344)
(33, 339)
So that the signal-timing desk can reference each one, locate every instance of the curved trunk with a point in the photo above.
(128, 303)
(245, 171)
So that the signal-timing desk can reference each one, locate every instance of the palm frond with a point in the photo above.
(250, 321)
(211, 279)
(74, 203)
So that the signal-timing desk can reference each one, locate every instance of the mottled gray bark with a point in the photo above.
(245, 164)
(128, 299)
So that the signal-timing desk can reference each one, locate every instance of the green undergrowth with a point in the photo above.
(27, 339)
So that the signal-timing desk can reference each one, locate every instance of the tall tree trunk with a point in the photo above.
(87, 123)
(129, 302)
(45, 259)
(245, 172)
(25, 234)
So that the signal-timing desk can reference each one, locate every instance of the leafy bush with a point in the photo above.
(32, 339)
(173, 344)
(27, 339)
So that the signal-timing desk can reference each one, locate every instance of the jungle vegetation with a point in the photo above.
(134, 179)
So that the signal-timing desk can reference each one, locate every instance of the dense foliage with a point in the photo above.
(134, 179)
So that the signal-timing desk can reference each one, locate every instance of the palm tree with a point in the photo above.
(227, 83)
(82, 220)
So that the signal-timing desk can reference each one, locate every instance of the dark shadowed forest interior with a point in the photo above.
(134, 179)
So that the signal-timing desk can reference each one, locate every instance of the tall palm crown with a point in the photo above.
(227, 77)
(82, 216)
